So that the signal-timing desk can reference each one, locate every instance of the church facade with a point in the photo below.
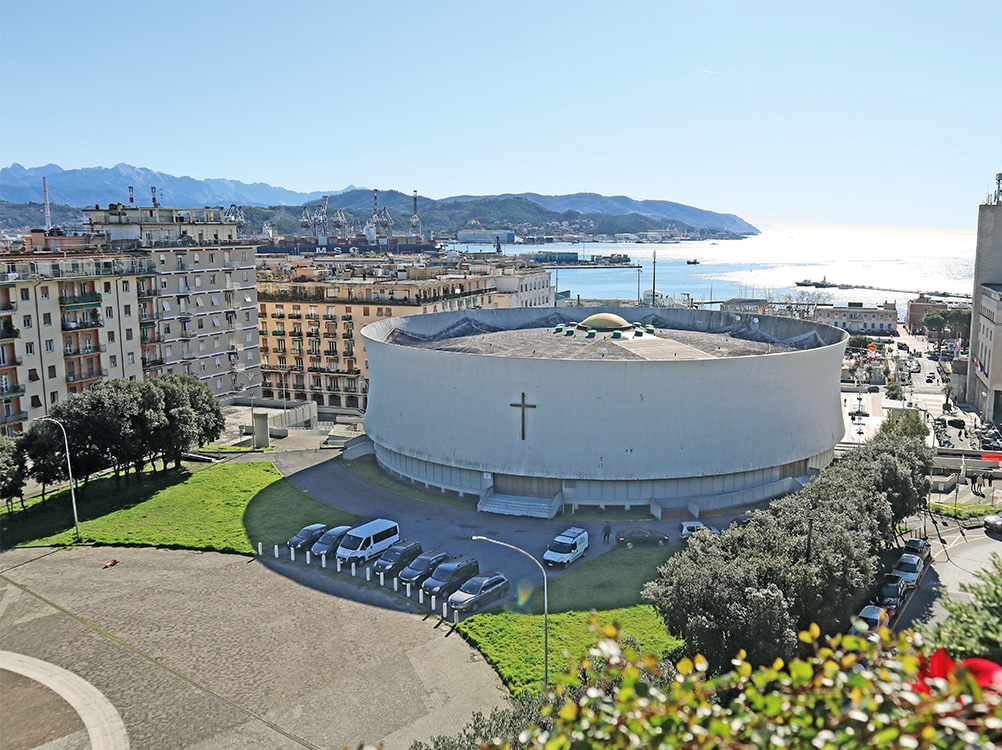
(524, 411)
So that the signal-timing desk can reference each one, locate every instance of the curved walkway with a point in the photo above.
(104, 726)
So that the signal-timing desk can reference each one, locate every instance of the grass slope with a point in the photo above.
(513, 642)
(366, 468)
(226, 508)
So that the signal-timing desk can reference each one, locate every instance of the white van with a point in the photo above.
(568, 546)
(368, 540)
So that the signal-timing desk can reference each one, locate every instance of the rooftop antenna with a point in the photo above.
(48, 213)
(132, 201)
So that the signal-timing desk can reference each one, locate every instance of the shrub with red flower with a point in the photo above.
(939, 666)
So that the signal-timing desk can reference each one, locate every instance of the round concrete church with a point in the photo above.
(525, 410)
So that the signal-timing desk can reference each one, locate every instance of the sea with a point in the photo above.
(877, 264)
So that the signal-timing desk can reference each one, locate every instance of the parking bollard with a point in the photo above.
(368, 575)
(292, 554)
(381, 577)
(353, 568)
(307, 557)
(455, 617)
(260, 549)
(338, 566)
(432, 602)
(408, 591)
(445, 611)
(276, 551)
(395, 582)
(323, 561)
(420, 596)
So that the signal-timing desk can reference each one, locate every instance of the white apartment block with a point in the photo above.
(857, 319)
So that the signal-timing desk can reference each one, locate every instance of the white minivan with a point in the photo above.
(368, 540)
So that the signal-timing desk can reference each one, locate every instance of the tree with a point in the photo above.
(908, 424)
(13, 472)
(192, 416)
(948, 391)
(974, 627)
(895, 392)
(46, 454)
(958, 320)
(935, 321)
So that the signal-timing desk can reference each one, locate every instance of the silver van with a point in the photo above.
(368, 540)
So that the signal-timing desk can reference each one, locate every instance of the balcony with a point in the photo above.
(278, 333)
(346, 335)
(262, 333)
(154, 339)
(329, 335)
(18, 416)
(71, 352)
(79, 325)
(8, 332)
(313, 334)
(186, 335)
(148, 293)
(295, 316)
(90, 299)
(330, 317)
(278, 315)
(312, 316)
(297, 334)
(15, 389)
(264, 348)
(152, 364)
(76, 377)
(8, 307)
(346, 317)
(10, 362)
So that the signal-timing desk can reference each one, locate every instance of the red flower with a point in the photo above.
(940, 666)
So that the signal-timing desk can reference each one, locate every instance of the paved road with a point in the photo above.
(222, 652)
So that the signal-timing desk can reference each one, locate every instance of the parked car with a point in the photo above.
(993, 523)
(891, 594)
(637, 535)
(567, 546)
(397, 557)
(873, 618)
(957, 422)
(307, 536)
(688, 528)
(482, 589)
(919, 547)
(423, 566)
(327, 544)
(873, 389)
(367, 541)
(910, 567)
(450, 575)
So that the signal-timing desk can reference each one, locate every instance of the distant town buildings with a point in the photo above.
(856, 318)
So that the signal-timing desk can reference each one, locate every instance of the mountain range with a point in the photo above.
(597, 214)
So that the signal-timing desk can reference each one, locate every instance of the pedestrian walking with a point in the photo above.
(606, 532)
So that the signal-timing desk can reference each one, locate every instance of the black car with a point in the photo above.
(423, 566)
(637, 535)
(956, 422)
(397, 557)
(891, 594)
(873, 389)
(327, 544)
(919, 547)
(307, 536)
(450, 575)
(482, 589)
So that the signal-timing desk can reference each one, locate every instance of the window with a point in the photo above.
(51, 371)
(219, 383)
(365, 311)
(114, 360)
(43, 292)
(214, 300)
(247, 296)
(201, 365)
(166, 329)
(212, 279)
(168, 350)
(25, 294)
(26, 321)
(127, 311)
(201, 323)
(29, 347)
(36, 402)
(130, 358)
(125, 286)
(111, 337)
(32, 374)
(194, 259)
(198, 281)
(217, 361)
(49, 345)
(199, 302)
(107, 287)
(163, 283)
(166, 306)
(247, 317)
(212, 258)
(201, 345)
(109, 312)
(128, 334)
(163, 260)
(215, 342)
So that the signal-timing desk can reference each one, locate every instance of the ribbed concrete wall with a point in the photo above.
(602, 419)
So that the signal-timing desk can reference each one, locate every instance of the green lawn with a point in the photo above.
(226, 508)
(366, 468)
(513, 642)
(609, 581)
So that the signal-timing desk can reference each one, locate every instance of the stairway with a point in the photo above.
(517, 505)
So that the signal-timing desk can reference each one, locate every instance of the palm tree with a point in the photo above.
(948, 391)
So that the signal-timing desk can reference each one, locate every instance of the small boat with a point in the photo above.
(805, 282)
(693, 262)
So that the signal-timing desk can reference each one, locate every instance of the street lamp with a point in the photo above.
(69, 469)
(546, 607)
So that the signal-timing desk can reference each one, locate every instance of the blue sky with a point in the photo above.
(873, 113)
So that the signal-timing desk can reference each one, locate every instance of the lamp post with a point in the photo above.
(546, 607)
(69, 469)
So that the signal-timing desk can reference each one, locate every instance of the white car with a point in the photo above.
(567, 547)
(910, 568)
(873, 618)
(688, 528)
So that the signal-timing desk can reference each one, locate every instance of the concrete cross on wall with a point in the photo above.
(523, 406)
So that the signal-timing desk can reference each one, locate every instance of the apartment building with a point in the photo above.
(524, 288)
(198, 303)
(984, 381)
(859, 319)
(144, 294)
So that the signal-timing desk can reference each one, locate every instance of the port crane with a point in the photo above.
(316, 221)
